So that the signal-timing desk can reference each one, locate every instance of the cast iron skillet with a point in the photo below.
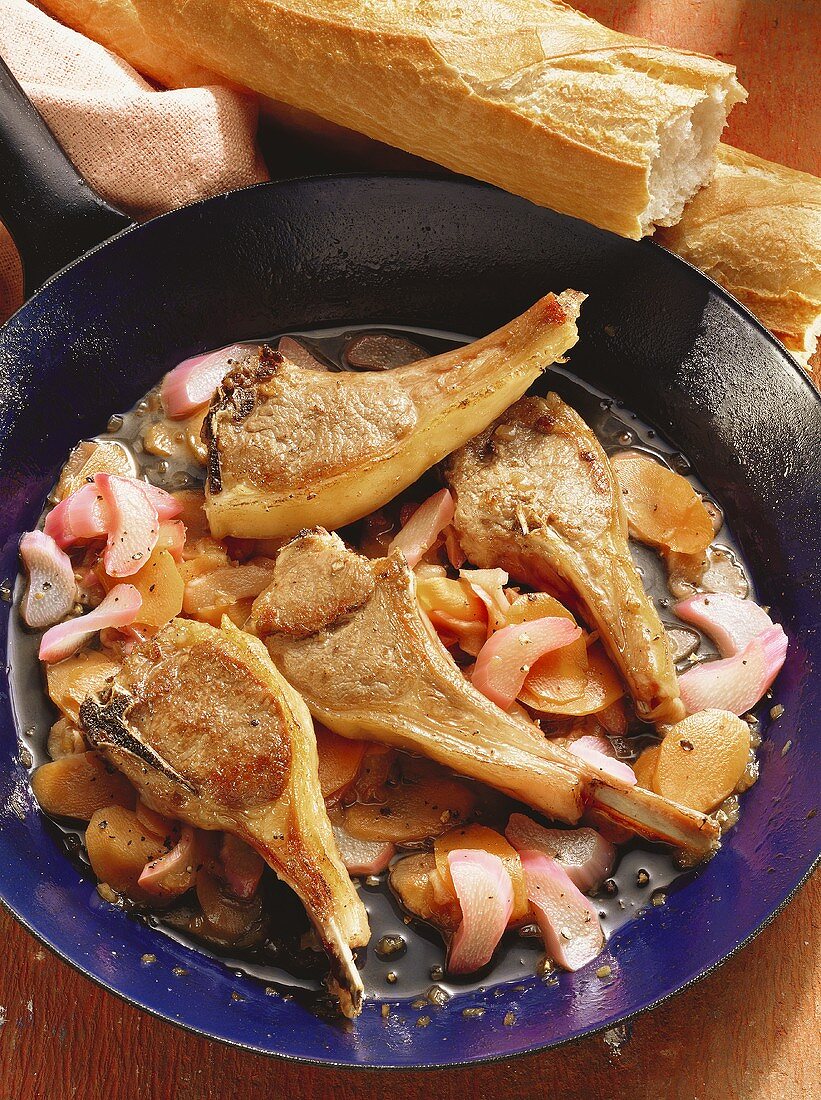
(452, 255)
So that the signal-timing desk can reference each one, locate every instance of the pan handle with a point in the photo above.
(49, 209)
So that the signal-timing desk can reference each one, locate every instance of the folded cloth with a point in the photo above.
(144, 149)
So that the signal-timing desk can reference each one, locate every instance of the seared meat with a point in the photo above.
(291, 447)
(347, 633)
(210, 733)
(535, 495)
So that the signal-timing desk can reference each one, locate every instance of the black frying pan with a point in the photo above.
(450, 255)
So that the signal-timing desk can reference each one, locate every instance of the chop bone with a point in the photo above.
(347, 633)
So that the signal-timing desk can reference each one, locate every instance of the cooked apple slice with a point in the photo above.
(347, 632)
(290, 447)
(209, 733)
(535, 495)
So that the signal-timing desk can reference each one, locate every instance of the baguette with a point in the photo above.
(527, 94)
(756, 230)
(115, 25)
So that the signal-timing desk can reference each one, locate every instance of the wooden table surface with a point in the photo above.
(750, 1031)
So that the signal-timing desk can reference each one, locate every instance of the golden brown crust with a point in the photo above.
(756, 229)
(558, 109)
(116, 25)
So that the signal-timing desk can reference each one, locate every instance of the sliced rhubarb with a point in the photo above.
(509, 654)
(567, 919)
(120, 608)
(424, 527)
(51, 587)
(485, 893)
(736, 683)
(730, 621)
(583, 853)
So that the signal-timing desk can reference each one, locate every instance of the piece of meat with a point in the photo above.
(347, 633)
(291, 447)
(209, 733)
(535, 495)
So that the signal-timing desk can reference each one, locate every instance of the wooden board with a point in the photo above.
(748, 1032)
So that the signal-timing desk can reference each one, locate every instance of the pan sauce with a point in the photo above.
(644, 872)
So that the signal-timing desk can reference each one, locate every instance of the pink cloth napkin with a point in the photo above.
(145, 150)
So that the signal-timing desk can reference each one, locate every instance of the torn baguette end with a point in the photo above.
(685, 158)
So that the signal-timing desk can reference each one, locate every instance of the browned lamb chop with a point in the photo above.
(535, 495)
(210, 733)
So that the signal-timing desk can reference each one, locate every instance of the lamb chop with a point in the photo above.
(536, 496)
(208, 732)
(347, 633)
(291, 447)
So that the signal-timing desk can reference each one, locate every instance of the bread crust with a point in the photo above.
(756, 230)
(526, 94)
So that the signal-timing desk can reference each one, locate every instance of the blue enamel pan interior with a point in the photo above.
(461, 257)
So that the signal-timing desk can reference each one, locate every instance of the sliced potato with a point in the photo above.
(702, 759)
(79, 784)
(339, 760)
(412, 812)
(93, 457)
(550, 683)
(160, 585)
(536, 605)
(663, 509)
(453, 597)
(70, 681)
(119, 846)
(645, 767)
(412, 880)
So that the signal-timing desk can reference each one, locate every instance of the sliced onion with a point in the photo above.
(424, 527)
(509, 654)
(193, 382)
(485, 894)
(242, 866)
(735, 683)
(489, 586)
(730, 621)
(589, 748)
(51, 587)
(567, 919)
(155, 876)
(585, 855)
(134, 524)
(363, 857)
(120, 607)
